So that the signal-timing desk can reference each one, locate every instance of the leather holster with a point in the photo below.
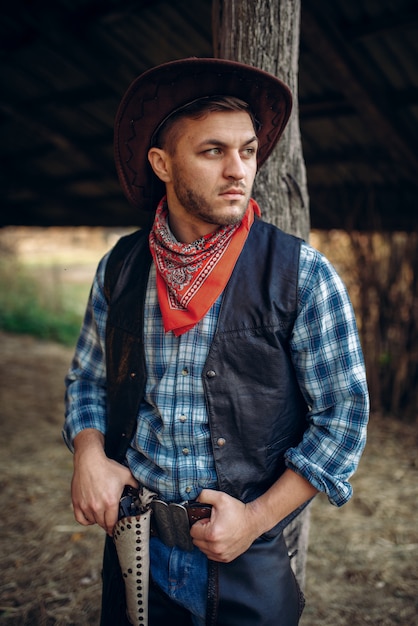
(131, 536)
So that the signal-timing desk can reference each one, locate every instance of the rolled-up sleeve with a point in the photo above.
(329, 365)
(85, 398)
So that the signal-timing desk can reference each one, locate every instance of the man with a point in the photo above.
(219, 360)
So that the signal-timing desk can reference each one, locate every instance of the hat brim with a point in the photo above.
(157, 92)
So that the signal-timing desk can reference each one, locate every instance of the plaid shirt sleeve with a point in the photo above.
(329, 365)
(85, 400)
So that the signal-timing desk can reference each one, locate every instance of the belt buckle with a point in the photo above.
(172, 524)
(181, 526)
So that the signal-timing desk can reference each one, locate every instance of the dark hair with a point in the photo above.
(163, 136)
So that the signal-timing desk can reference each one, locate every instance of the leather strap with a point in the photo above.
(213, 593)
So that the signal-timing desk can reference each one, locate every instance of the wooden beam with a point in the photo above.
(332, 105)
(53, 134)
(49, 24)
(386, 23)
(328, 44)
(364, 207)
(66, 211)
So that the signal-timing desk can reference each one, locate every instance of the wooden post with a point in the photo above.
(265, 34)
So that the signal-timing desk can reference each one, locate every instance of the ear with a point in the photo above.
(160, 163)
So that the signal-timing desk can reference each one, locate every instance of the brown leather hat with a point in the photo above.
(163, 89)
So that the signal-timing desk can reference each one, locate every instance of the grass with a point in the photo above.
(38, 303)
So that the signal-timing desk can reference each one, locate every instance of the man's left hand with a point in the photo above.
(230, 530)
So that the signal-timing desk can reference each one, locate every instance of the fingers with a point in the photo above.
(110, 519)
(210, 496)
(227, 533)
(96, 489)
(85, 519)
(103, 513)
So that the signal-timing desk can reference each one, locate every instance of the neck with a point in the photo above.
(186, 231)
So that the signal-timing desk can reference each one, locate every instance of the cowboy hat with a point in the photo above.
(162, 90)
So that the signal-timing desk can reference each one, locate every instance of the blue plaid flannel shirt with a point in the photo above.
(171, 450)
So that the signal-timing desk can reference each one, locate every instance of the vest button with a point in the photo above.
(132, 375)
(210, 374)
(221, 441)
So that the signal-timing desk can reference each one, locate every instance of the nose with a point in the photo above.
(234, 167)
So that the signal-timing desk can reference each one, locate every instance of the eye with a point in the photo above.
(213, 151)
(250, 151)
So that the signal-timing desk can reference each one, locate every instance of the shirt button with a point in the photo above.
(221, 441)
(210, 374)
(182, 418)
(185, 451)
(184, 371)
(188, 489)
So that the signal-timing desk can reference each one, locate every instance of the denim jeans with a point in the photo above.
(183, 576)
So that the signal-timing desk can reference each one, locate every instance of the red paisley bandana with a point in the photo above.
(190, 277)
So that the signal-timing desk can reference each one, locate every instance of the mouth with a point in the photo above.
(233, 193)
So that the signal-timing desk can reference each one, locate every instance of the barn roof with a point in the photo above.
(64, 66)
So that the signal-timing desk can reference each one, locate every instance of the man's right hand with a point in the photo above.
(97, 482)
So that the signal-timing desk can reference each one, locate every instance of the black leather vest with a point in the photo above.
(255, 408)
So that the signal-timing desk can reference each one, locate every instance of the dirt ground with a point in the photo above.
(362, 564)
